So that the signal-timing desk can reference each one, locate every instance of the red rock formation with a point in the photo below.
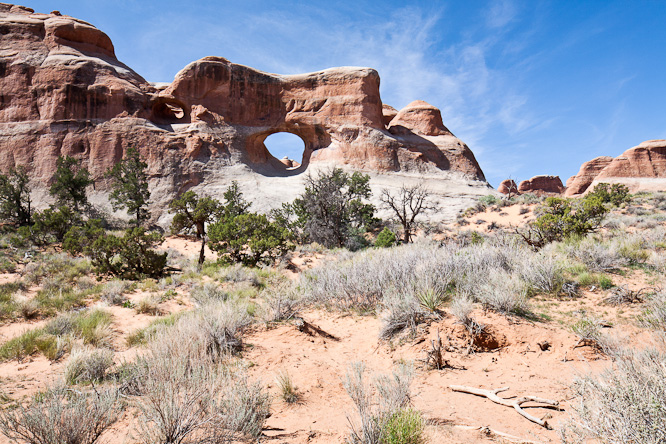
(641, 168)
(542, 184)
(508, 186)
(588, 172)
(388, 112)
(62, 91)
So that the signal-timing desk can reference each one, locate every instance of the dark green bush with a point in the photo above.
(386, 238)
(50, 225)
(614, 194)
(249, 239)
(131, 256)
(561, 218)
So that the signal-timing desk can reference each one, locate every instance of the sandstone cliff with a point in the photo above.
(641, 168)
(63, 92)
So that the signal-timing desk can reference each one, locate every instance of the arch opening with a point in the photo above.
(169, 111)
(286, 147)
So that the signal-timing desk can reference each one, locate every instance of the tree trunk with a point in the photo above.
(201, 253)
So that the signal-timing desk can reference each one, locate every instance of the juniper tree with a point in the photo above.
(69, 184)
(130, 186)
(15, 202)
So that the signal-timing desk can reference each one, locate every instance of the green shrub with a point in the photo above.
(131, 256)
(50, 225)
(386, 239)
(249, 239)
(614, 194)
(562, 218)
(489, 200)
(406, 426)
(605, 282)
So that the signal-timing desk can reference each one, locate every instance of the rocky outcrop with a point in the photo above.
(542, 184)
(641, 168)
(588, 172)
(63, 92)
(508, 186)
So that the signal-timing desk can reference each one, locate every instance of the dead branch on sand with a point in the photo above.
(515, 403)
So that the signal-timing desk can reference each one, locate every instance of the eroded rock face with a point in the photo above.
(508, 186)
(63, 92)
(542, 184)
(641, 168)
(588, 172)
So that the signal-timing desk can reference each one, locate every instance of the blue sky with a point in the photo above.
(533, 87)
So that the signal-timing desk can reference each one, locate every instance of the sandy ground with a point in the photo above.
(509, 356)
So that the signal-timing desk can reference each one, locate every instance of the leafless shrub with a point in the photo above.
(462, 307)
(208, 292)
(393, 394)
(401, 312)
(623, 404)
(542, 272)
(192, 401)
(623, 295)
(282, 303)
(503, 293)
(211, 332)
(60, 415)
(596, 255)
(238, 273)
(88, 364)
(654, 314)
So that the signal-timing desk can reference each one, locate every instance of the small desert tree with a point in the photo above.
(407, 204)
(333, 208)
(69, 184)
(192, 214)
(234, 202)
(130, 186)
(15, 197)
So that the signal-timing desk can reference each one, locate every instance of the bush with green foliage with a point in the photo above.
(249, 239)
(561, 218)
(130, 186)
(614, 194)
(131, 256)
(50, 225)
(69, 184)
(15, 199)
(386, 239)
(234, 202)
(332, 209)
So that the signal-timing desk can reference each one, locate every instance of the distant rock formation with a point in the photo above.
(641, 168)
(542, 184)
(588, 172)
(63, 92)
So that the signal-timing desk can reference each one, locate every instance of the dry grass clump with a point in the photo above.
(92, 327)
(188, 391)
(282, 302)
(502, 292)
(401, 312)
(542, 272)
(61, 415)
(114, 291)
(286, 387)
(208, 292)
(238, 273)
(87, 364)
(626, 403)
(386, 416)
(148, 305)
